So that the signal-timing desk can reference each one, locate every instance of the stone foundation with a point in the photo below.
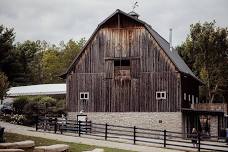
(171, 121)
(214, 125)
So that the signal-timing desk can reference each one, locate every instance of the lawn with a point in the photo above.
(74, 147)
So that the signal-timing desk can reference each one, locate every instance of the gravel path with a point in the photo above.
(29, 131)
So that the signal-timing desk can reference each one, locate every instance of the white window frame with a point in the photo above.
(84, 93)
(162, 95)
(189, 97)
(185, 96)
(197, 100)
(193, 99)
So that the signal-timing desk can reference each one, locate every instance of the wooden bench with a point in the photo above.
(11, 150)
(26, 145)
(52, 148)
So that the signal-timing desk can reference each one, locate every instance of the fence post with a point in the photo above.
(45, 123)
(55, 127)
(199, 141)
(79, 128)
(37, 121)
(61, 129)
(164, 138)
(86, 125)
(134, 134)
(106, 131)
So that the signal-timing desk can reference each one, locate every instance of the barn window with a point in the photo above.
(122, 69)
(160, 95)
(185, 96)
(84, 95)
(121, 63)
(197, 100)
(193, 99)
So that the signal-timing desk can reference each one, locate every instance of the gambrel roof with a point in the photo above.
(173, 55)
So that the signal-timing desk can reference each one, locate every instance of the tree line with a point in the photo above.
(34, 62)
(205, 51)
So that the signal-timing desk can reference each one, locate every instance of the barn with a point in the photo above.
(127, 74)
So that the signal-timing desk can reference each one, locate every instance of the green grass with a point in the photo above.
(74, 147)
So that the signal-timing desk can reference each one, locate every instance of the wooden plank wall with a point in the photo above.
(151, 71)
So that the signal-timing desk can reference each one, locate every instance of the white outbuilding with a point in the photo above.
(40, 89)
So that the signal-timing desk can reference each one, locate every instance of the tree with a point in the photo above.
(34, 62)
(7, 37)
(37, 75)
(70, 51)
(55, 60)
(26, 54)
(4, 84)
(206, 52)
(52, 65)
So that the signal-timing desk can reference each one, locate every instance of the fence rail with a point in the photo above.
(135, 135)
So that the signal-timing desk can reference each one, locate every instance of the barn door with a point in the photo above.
(122, 83)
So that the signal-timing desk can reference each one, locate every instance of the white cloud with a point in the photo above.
(56, 20)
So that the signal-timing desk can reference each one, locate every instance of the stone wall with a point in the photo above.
(171, 121)
(214, 125)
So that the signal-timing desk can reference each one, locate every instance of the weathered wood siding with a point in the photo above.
(151, 71)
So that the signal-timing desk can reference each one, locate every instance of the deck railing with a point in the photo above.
(211, 106)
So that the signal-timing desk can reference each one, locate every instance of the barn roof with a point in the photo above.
(173, 55)
(41, 89)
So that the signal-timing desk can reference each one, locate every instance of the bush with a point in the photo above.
(5, 117)
(31, 108)
(44, 100)
(26, 108)
(19, 103)
(48, 101)
(18, 119)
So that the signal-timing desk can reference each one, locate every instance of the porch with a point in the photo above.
(208, 118)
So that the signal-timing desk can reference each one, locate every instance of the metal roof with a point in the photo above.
(41, 89)
(173, 55)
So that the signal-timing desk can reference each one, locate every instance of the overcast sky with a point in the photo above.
(56, 20)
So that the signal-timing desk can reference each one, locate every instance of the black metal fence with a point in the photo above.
(134, 135)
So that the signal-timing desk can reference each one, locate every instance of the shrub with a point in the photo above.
(31, 108)
(5, 117)
(61, 104)
(48, 101)
(18, 119)
(44, 100)
(19, 103)
(44, 104)
(26, 108)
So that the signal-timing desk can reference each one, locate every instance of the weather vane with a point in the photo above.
(135, 5)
